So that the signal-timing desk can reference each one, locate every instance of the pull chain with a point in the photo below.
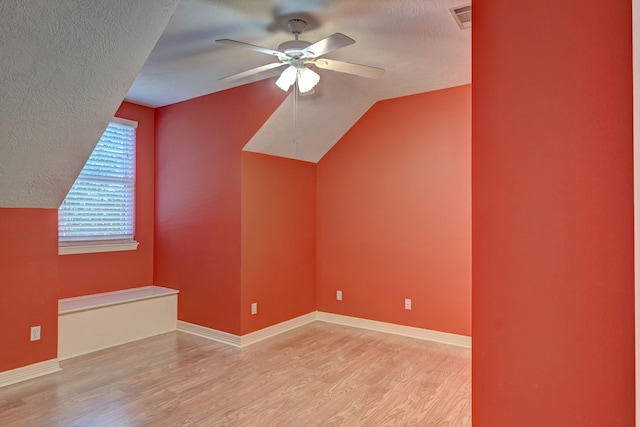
(295, 117)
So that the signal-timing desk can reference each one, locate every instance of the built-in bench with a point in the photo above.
(94, 322)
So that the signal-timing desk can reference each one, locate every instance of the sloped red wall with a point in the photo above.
(278, 239)
(394, 214)
(553, 315)
(83, 274)
(28, 285)
(198, 199)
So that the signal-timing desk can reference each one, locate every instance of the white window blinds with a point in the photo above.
(100, 207)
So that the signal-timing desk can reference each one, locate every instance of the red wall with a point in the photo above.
(103, 272)
(278, 239)
(553, 315)
(394, 214)
(33, 276)
(198, 203)
(28, 285)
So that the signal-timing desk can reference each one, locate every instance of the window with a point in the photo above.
(98, 214)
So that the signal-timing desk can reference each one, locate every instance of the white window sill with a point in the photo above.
(96, 248)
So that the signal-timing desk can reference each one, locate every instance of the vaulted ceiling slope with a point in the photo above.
(417, 42)
(66, 66)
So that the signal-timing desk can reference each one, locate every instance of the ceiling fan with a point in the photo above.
(301, 56)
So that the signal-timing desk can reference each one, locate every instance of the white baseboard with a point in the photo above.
(212, 334)
(50, 366)
(28, 372)
(391, 328)
(373, 325)
(248, 339)
(272, 331)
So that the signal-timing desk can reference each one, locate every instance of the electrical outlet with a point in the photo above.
(254, 308)
(407, 303)
(339, 295)
(35, 333)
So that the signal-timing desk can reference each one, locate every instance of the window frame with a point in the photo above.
(97, 246)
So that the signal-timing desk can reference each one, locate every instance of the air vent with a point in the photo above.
(462, 16)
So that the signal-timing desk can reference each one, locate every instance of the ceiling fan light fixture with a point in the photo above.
(287, 78)
(307, 80)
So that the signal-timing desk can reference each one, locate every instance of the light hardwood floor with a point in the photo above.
(317, 375)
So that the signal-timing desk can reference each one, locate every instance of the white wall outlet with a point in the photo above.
(35, 333)
(339, 295)
(254, 308)
(407, 303)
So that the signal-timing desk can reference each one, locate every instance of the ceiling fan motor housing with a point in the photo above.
(293, 48)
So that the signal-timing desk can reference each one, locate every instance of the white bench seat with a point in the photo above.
(93, 322)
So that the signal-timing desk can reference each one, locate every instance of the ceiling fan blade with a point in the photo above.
(250, 46)
(328, 44)
(349, 68)
(252, 71)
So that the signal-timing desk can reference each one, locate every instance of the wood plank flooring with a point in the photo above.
(317, 375)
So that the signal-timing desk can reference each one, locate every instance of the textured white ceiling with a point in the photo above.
(66, 66)
(417, 42)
